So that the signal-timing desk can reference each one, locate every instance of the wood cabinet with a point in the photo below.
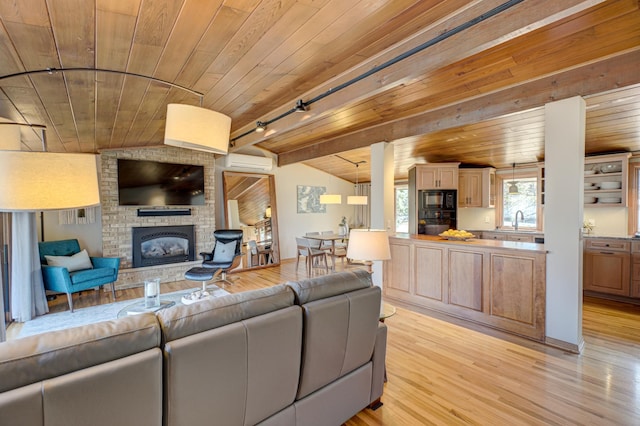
(605, 180)
(607, 266)
(428, 176)
(494, 283)
(476, 187)
(635, 269)
(263, 231)
(437, 176)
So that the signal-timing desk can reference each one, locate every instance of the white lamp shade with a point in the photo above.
(368, 244)
(35, 181)
(331, 199)
(358, 200)
(197, 128)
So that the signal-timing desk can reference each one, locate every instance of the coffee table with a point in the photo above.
(166, 301)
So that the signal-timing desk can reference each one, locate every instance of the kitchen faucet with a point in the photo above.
(521, 217)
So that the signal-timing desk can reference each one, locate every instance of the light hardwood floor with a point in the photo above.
(441, 372)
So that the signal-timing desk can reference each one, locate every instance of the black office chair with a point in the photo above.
(226, 255)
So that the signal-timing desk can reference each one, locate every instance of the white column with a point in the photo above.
(382, 195)
(563, 215)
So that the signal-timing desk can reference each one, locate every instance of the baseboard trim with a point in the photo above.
(565, 346)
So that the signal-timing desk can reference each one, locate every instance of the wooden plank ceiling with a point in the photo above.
(475, 95)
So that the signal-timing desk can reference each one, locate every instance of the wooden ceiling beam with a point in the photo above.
(614, 72)
(520, 19)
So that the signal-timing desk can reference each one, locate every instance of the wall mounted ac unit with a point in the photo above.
(248, 162)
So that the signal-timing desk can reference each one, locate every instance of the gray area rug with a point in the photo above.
(84, 316)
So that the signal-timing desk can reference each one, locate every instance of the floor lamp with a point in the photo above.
(37, 181)
(368, 245)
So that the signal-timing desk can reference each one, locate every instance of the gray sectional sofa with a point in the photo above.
(302, 353)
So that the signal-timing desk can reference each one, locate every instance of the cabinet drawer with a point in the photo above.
(635, 247)
(494, 236)
(523, 238)
(608, 245)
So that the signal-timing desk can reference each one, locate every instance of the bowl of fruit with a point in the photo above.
(457, 235)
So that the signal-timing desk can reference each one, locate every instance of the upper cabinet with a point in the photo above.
(437, 176)
(476, 187)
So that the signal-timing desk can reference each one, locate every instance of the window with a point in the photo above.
(525, 201)
(402, 208)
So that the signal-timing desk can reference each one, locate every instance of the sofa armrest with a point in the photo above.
(379, 374)
(56, 278)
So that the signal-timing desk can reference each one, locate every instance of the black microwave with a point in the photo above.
(437, 199)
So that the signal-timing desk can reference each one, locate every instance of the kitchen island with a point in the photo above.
(500, 284)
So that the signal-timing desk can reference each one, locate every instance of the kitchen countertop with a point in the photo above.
(477, 242)
(609, 237)
(512, 231)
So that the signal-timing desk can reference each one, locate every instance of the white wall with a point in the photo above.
(292, 224)
(89, 236)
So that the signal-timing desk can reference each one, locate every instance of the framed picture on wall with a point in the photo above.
(309, 199)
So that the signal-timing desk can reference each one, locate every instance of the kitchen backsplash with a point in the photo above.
(609, 221)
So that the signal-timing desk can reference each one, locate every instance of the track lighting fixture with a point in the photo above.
(260, 127)
(301, 106)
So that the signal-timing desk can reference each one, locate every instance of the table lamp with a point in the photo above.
(368, 245)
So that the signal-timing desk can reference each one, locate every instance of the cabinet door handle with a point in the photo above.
(606, 252)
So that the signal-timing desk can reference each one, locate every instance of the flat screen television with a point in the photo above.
(153, 183)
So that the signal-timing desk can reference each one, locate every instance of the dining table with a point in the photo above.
(329, 237)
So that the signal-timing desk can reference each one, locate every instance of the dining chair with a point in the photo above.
(306, 248)
(261, 254)
(317, 244)
(338, 244)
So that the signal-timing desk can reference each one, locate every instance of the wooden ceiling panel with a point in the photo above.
(476, 97)
(73, 22)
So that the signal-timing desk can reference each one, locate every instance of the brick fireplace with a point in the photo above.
(118, 221)
(162, 245)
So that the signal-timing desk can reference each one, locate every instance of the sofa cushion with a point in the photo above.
(330, 285)
(185, 320)
(36, 358)
(242, 372)
(238, 355)
(85, 275)
(75, 262)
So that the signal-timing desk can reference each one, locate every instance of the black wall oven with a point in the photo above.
(437, 210)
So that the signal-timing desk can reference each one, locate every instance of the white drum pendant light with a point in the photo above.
(197, 128)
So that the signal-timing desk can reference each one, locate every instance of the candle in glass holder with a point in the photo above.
(152, 293)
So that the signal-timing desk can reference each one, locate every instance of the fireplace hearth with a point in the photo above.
(160, 245)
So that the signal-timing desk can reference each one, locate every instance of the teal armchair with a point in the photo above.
(100, 271)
